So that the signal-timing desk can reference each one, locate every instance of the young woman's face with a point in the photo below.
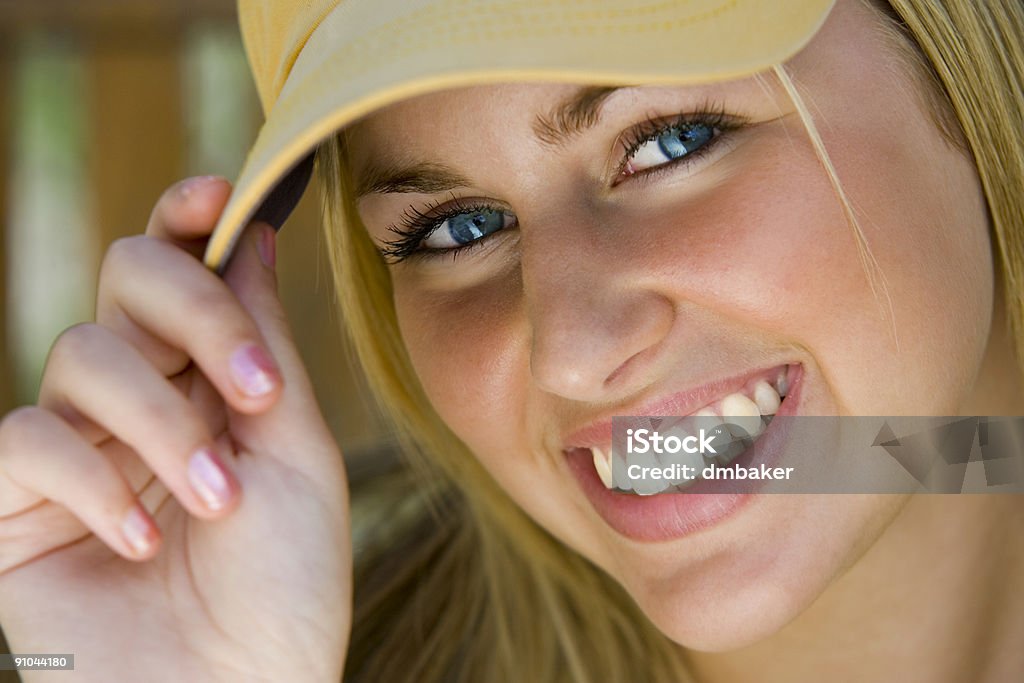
(670, 249)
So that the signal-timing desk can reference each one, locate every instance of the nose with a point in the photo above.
(597, 321)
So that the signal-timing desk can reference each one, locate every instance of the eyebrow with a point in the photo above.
(424, 178)
(574, 115)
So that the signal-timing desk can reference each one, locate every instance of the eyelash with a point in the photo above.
(711, 116)
(417, 225)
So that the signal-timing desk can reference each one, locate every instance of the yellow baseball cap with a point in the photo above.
(321, 64)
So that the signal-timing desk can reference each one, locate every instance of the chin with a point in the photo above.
(772, 570)
(719, 618)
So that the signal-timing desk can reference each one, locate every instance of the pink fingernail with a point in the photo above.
(267, 245)
(190, 185)
(209, 479)
(254, 372)
(137, 530)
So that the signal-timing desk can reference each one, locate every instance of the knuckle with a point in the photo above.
(73, 344)
(18, 426)
(122, 252)
(121, 258)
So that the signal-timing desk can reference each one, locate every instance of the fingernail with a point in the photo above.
(137, 530)
(209, 479)
(267, 245)
(190, 185)
(254, 372)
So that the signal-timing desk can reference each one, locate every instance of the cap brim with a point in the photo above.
(366, 54)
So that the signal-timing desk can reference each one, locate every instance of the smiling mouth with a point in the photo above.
(744, 414)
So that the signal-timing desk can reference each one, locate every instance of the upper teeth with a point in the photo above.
(745, 410)
(766, 398)
(603, 465)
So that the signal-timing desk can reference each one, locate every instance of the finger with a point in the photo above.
(193, 384)
(204, 397)
(133, 468)
(187, 211)
(251, 276)
(98, 374)
(42, 455)
(175, 311)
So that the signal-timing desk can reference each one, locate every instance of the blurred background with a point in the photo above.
(103, 104)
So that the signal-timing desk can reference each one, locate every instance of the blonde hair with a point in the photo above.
(465, 586)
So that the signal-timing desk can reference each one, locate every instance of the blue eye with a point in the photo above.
(674, 142)
(451, 228)
(458, 225)
(463, 228)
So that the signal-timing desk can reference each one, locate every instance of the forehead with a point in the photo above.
(423, 118)
(844, 52)
(461, 119)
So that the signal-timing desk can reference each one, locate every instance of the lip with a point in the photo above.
(668, 516)
(599, 432)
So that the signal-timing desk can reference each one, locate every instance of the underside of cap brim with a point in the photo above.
(368, 53)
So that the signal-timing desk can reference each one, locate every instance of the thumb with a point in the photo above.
(295, 417)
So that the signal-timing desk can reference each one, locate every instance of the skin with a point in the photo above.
(125, 401)
(743, 261)
(609, 294)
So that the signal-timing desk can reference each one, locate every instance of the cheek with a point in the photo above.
(923, 211)
(765, 260)
(461, 346)
(768, 253)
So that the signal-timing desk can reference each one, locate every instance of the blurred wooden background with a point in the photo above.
(118, 125)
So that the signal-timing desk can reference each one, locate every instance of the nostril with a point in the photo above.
(588, 338)
(622, 369)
